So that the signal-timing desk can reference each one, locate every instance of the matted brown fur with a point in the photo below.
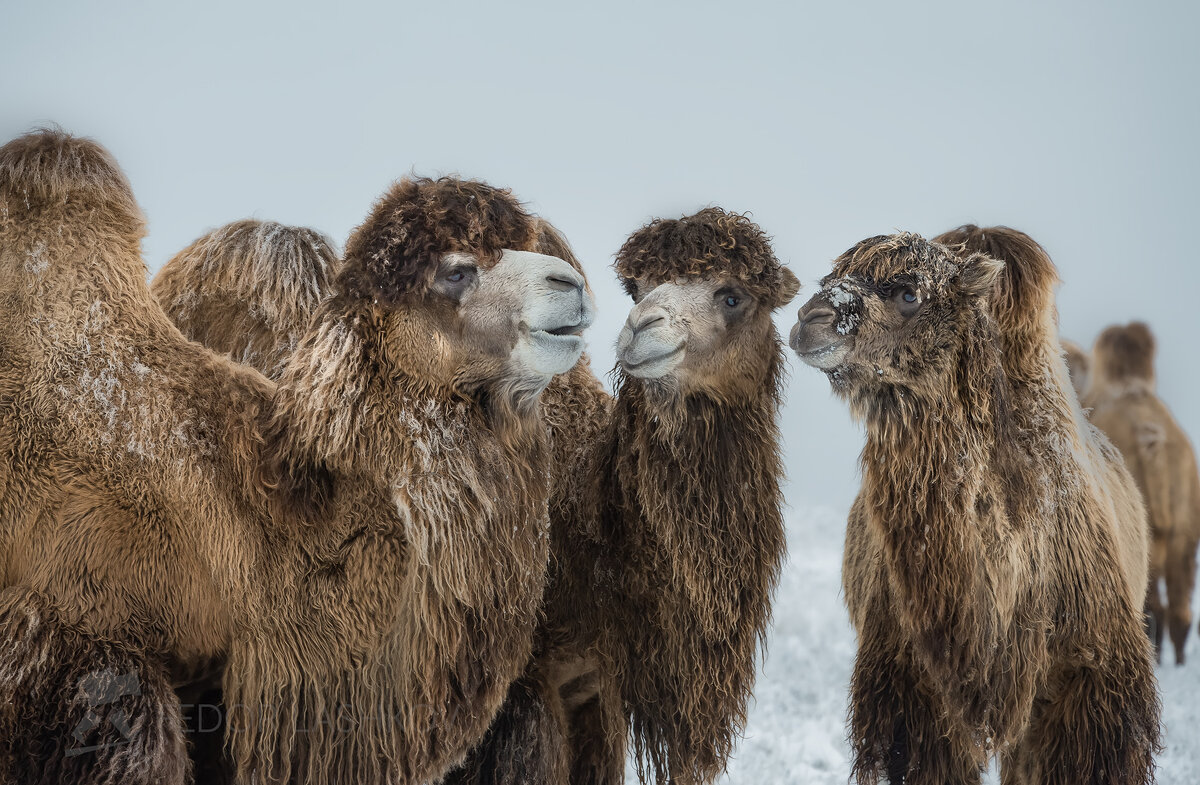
(248, 289)
(983, 570)
(1022, 303)
(1126, 406)
(375, 607)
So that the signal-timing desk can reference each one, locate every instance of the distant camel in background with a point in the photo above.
(1079, 365)
(1125, 405)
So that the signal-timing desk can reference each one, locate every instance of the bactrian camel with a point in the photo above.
(984, 572)
(1125, 405)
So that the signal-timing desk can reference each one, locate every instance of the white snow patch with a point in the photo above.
(839, 297)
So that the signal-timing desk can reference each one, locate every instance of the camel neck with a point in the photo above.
(703, 481)
(340, 416)
(695, 507)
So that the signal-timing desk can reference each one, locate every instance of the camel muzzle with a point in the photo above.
(816, 338)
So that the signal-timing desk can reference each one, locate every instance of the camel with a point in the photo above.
(212, 291)
(248, 289)
(363, 544)
(994, 609)
(1126, 407)
(667, 536)
(1079, 366)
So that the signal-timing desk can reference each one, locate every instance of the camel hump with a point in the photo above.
(279, 272)
(70, 227)
(49, 167)
(1024, 292)
(249, 289)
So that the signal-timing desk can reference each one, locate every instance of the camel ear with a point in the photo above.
(789, 285)
(979, 274)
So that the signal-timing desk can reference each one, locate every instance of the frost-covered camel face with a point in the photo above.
(892, 313)
(513, 324)
(689, 333)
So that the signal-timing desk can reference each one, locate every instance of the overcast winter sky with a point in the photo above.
(1078, 123)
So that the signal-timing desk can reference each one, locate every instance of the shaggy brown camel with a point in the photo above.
(666, 527)
(1126, 407)
(212, 291)
(365, 544)
(248, 289)
(984, 574)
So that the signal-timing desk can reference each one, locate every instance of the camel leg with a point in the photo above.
(597, 743)
(898, 728)
(526, 742)
(1155, 611)
(1093, 726)
(78, 709)
(1181, 580)
(203, 707)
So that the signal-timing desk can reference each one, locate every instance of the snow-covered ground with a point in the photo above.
(796, 732)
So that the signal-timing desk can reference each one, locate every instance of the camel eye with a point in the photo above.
(907, 301)
(455, 281)
(731, 301)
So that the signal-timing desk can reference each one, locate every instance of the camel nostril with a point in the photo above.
(647, 321)
(818, 316)
(564, 284)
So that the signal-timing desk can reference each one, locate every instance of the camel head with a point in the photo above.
(895, 312)
(463, 300)
(1124, 355)
(703, 288)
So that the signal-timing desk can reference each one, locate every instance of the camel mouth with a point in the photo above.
(825, 357)
(819, 337)
(657, 362)
(570, 329)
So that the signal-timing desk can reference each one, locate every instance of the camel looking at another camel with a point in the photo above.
(666, 529)
(365, 543)
(1125, 406)
(984, 570)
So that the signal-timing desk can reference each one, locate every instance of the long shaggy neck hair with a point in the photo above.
(695, 497)
(447, 587)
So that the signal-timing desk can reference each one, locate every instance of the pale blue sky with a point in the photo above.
(1078, 123)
